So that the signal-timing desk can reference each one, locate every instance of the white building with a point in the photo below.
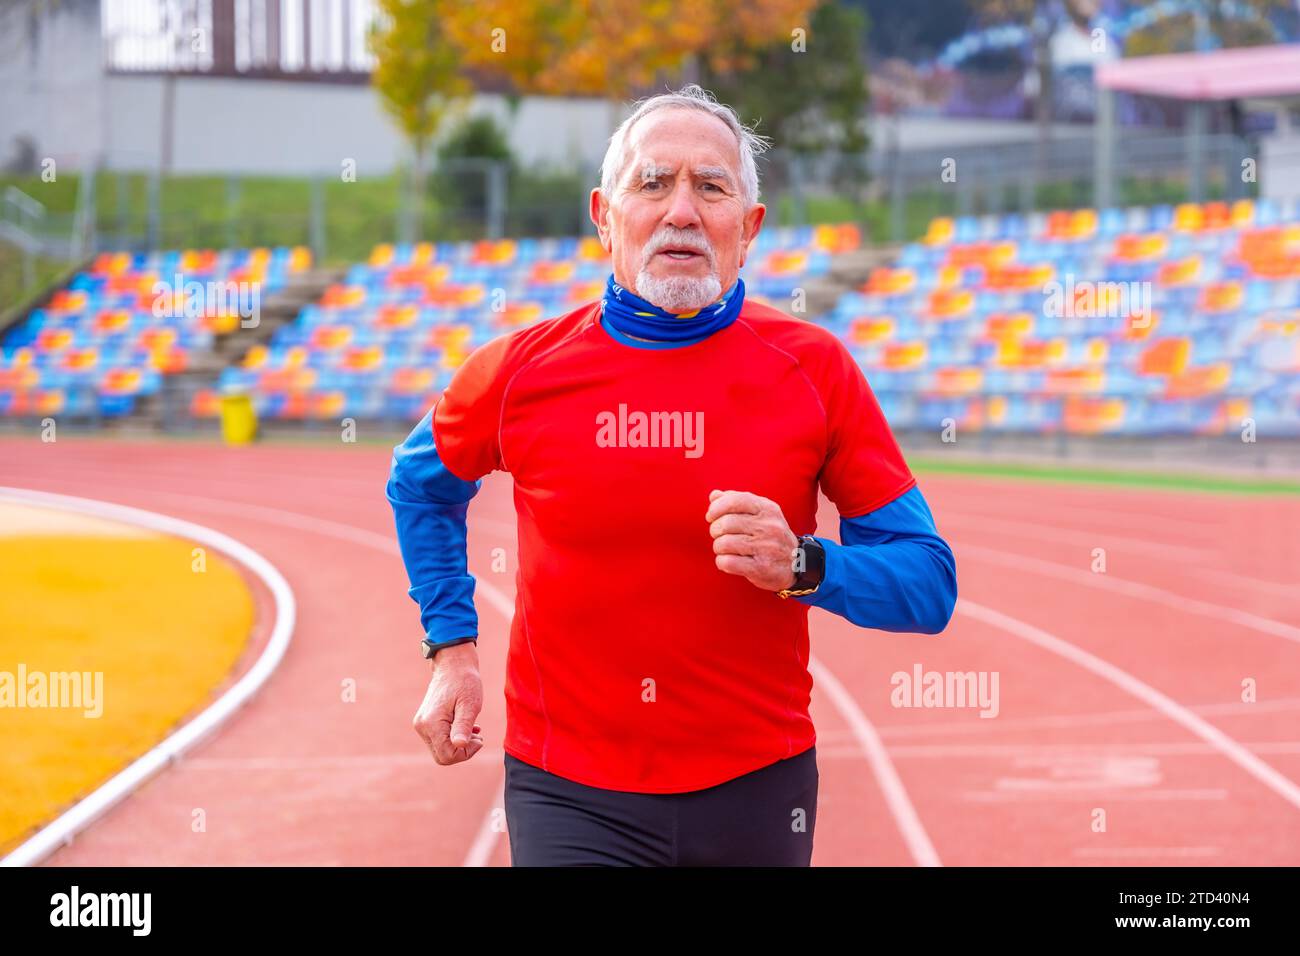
(229, 86)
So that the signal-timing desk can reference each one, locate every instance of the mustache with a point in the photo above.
(676, 238)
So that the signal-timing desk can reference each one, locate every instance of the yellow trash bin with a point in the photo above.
(238, 419)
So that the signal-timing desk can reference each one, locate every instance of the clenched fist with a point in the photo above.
(751, 538)
(445, 720)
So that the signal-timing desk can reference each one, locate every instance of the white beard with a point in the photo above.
(678, 293)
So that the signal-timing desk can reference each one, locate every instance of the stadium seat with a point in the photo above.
(961, 326)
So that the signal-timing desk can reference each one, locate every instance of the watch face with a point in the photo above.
(814, 559)
(427, 648)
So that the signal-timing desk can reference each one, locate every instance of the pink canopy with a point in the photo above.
(1244, 72)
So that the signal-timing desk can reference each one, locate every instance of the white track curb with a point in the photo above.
(72, 821)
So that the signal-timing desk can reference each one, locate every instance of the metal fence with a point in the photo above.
(893, 195)
(339, 219)
(1060, 174)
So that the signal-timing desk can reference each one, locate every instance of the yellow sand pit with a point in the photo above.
(100, 616)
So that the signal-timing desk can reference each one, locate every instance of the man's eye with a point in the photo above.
(713, 186)
(651, 182)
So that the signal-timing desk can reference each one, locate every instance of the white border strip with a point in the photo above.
(891, 785)
(1135, 589)
(63, 828)
(485, 841)
(1279, 783)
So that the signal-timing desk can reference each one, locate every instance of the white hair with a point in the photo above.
(689, 97)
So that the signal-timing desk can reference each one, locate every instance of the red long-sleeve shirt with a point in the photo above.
(635, 663)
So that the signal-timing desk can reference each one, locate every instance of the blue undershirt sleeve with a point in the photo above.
(892, 571)
(429, 507)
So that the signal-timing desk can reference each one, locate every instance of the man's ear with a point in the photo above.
(599, 212)
(749, 228)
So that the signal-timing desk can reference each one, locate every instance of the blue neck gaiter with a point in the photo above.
(634, 316)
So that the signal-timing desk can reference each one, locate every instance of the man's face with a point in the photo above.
(676, 224)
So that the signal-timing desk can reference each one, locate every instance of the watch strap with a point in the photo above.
(430, 648)
(808, 580)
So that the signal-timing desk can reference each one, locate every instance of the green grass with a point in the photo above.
(1090, 474)
(14, 289)
(232, 212)
(210, 212)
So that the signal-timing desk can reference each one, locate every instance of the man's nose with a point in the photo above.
(682, 211)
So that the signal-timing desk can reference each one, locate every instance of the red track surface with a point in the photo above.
(1199, 594)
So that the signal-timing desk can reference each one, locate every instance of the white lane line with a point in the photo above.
(1088, 539)
(1134, 589)
(1184, 748)
(1119, 518)
(1268, 586)
(485, 842)
(905, 815)
(350, 762)
(63, 828)
(1110, 794)
(1042, 526)
(333, 529)
(1076, 721)
(1225, 745)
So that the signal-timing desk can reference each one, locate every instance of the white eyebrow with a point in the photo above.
(713, 172)
(649, 172)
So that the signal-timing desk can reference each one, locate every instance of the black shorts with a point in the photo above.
(763, 818)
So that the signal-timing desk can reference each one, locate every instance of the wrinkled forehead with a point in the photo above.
(670, 136)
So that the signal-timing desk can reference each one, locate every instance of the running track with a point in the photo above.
(1119, 691)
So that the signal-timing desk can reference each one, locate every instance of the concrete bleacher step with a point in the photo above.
(855, 266)
(167, 408)
(847, 272)
(279, 309)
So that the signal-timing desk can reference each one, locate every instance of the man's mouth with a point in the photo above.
(681, 255)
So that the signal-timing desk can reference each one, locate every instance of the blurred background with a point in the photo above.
(1061, 238)
(389, 184)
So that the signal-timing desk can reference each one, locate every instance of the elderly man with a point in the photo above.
(666, 445)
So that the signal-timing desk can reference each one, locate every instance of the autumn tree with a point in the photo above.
(419, 77)
(613, 48)
(608, 48)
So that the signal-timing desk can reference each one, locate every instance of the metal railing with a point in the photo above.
(1026, 176)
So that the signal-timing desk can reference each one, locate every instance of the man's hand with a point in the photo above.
(445, 720)
(751, 538)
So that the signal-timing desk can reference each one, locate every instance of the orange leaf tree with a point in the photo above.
(613, 48)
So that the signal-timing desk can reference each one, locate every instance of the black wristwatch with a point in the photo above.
(814, 568)
(429, 648)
